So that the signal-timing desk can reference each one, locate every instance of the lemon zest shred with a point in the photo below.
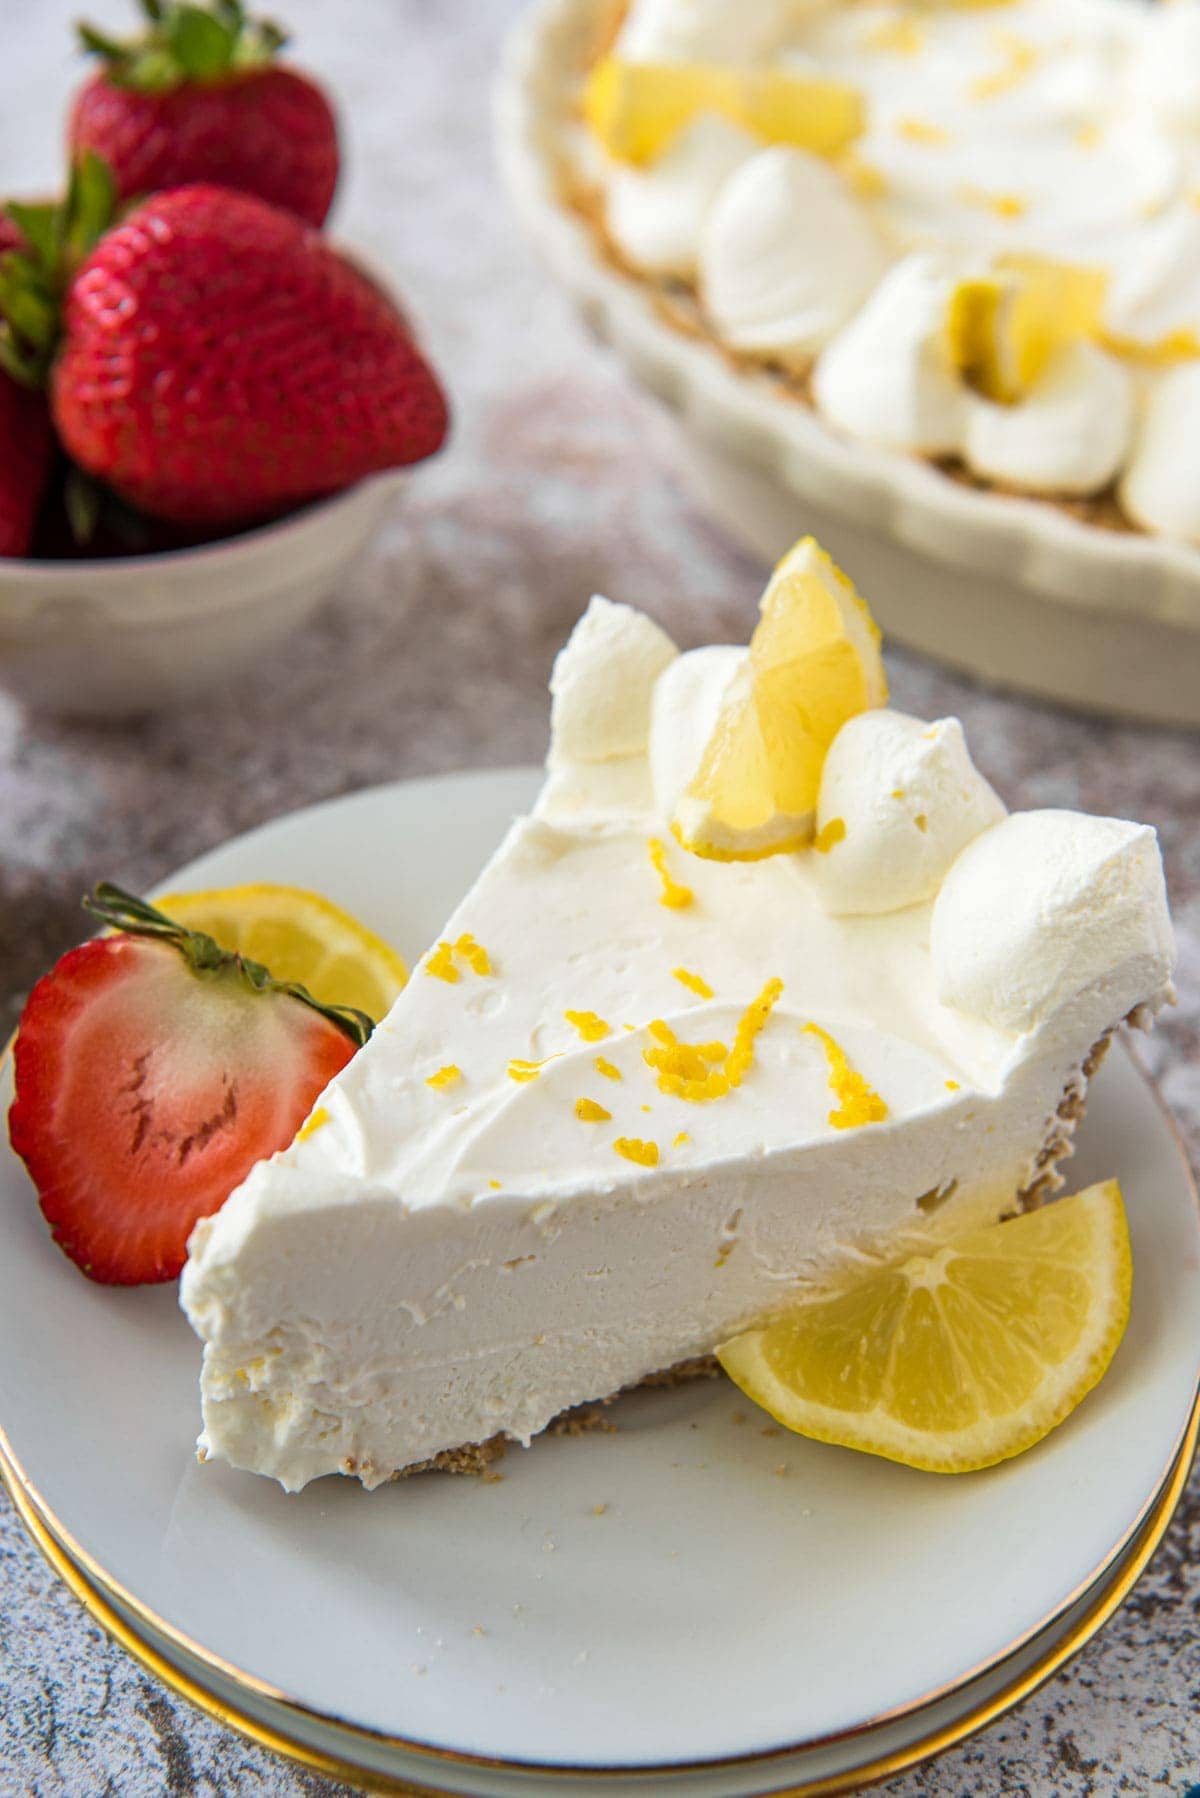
(699, 1072)
(695, 983)
(953, 1086)
(450, 1075)
(674, 895)
(522, 1071)
(1005, 206)
(495, 1185)
(440, 963)
(607, 1069)
(645, 1154)
(858, 1102)
(316, 1120)
(828, 835)
(589, 1112)
(920, 131)
(682, 1138)
(897, 37)
(591, 1028)
(1019, 59)
(473, 953)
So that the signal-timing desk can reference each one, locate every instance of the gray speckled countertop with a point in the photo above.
(559, 482)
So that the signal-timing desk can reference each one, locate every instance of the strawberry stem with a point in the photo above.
(124, 911)
(185, 42)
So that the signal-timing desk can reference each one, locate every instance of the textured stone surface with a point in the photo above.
(559, 482)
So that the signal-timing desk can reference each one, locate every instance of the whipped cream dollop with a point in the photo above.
(1166, 73)
(1161, 484)
(687, 700)
(1042, 906)
(656, 214)
(602, 684)
(899, 799)
(1069, 434)
(887, 377)
(1154, 296)
(708, 30)
(786, 255)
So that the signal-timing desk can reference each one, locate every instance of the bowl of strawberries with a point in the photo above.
(206, 405)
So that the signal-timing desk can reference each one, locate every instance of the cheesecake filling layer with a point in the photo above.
(634, 1101)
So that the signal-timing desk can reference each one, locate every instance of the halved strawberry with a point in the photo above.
(152, 1071)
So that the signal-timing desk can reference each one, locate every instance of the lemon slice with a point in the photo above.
(299, 936)
(636, 109)
(1003, 328)
(958, 1357)
(814, 661)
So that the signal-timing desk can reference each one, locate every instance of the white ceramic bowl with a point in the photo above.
(1014, 590)
(111, 638)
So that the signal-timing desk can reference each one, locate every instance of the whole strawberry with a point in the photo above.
(219, 362)
(152, 1071)
(26, 442)
(198, 97)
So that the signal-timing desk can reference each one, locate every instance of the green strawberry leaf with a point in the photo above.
(120, 910)
(39, 226)
(201, 43)
(185, 41)
(34, 278)
(91, 200)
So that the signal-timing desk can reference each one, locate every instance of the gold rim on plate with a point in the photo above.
(95, 1588)
(885, 1766)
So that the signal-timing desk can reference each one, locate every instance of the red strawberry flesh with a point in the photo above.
(269, 132)
(145, 1092)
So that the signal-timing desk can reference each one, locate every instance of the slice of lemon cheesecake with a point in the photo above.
(639, 1096)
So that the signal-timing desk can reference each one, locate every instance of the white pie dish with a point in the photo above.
(1014, 590)
(812, 1627)
(115, 637)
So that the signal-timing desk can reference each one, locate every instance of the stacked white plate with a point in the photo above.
(695, 1601)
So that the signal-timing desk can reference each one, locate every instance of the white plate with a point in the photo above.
(1015, 590)
(718, 1607)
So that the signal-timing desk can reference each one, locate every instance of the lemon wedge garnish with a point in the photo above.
(960, 1356)
(299, 936)
(814, 661)
(636, 109)
(1004, 327)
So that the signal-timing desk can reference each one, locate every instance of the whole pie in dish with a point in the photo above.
(767, 979)
(967, 232)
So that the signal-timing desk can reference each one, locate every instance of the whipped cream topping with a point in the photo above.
(438, 1263)
(899, 799)
(888, 377)
(1069, 434)
(602, 684)
(687, 699)
(656, 214)
(786, 255)
(1161, 485)
(1065, 129)
(1041, 907)
(1154, 295)
(708, 30)
(1166, 73)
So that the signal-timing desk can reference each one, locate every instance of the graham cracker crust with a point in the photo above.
(581, 1420)
(677, 303)
(479, 1458)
